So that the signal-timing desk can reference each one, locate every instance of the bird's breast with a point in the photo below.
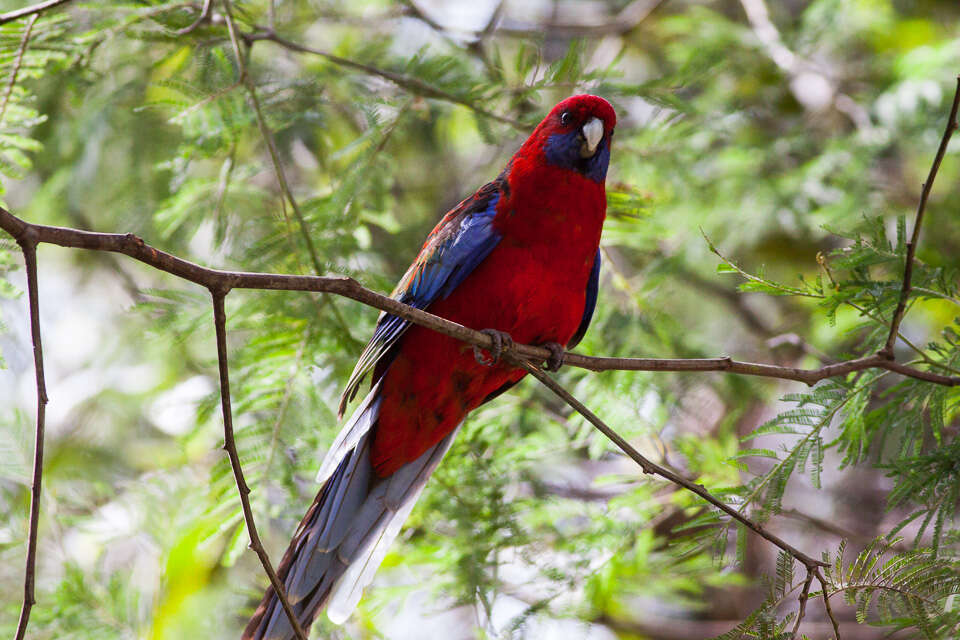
(532, 285)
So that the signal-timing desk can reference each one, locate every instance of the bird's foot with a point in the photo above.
(557, 354)
(501, 342)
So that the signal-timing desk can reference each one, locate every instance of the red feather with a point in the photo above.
(532, 286)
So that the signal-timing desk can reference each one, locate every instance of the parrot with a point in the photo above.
(518, 260)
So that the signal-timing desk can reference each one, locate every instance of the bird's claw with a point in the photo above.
(557, 354)
(501, 342)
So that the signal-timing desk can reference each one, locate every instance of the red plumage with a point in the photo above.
(532, 286)
(548, 211)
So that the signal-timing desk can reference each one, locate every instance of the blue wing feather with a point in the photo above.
(593, 287)
(459, 242)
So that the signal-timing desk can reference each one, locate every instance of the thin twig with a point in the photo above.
(904, 339)
(793, 291)
(651, 467)
(223, 185)
(626, 20)
(234, 39)
(213, 97)
(16, 64)
(286, 191)
(406, 82)
(887, 350)
(230, 446)
(472, 44)
(826, 603)
(835, 529)
(267, 136)
(28, 243)
(203, 17)
(285, 401)
(131, 245)
(804, 595)
(40, 7)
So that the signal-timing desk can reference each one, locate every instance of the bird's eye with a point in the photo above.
(565, 118)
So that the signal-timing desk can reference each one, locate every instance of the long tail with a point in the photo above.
(344, 536)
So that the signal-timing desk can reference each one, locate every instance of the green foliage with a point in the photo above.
(117, 122)
(906, 589)
(884, 585)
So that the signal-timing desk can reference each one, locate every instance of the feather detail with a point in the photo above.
(593, 288)
(346, 533)
(459, 242)
(403, 490)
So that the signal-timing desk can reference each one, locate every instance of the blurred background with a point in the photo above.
(778, 131)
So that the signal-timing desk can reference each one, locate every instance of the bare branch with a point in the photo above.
(16, 65)
(651, 467)
(40, 7)
(826, 603)
(28, 243)
(134, 247)
(887, 350)
(804, 595)
(230, 446)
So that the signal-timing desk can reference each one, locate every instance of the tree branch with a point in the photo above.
(406, 82)
(826, 603)
(887, 350)
(16, 65)
(40, 7)
(130, 245)
(28, 243)
(267, 136)
(651, 467)
(230, 446)
(804, 595)
(202, 17)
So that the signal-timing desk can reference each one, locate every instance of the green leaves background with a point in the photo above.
(115, 122)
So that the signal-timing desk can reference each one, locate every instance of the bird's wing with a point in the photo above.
(593, 285)
(459, 242)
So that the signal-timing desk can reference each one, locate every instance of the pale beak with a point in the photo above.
(592, 134)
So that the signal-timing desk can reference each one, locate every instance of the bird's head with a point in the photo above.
(576, 135)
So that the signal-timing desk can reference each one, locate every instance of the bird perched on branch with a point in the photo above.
(518, 259)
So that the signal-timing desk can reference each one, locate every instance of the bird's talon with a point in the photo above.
(501, 342)
(557, 354)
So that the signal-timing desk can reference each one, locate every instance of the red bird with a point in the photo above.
(520, 257)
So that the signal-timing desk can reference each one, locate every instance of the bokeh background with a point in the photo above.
(780, 131)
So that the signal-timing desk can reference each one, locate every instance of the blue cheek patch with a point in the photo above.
(563, 150)
(597, 170)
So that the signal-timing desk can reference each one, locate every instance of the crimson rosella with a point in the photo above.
(519, 258)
